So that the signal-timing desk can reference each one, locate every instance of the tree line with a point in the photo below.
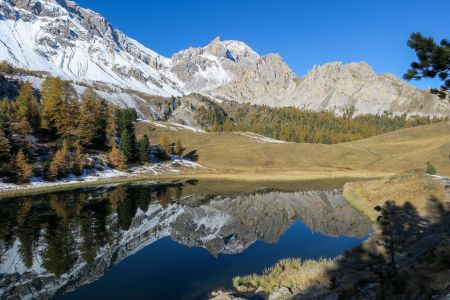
(54, 131)
(300, 126)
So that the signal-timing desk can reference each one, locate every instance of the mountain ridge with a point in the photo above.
(66, 40)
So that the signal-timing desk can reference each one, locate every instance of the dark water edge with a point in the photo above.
(165, 241)
(173, 271)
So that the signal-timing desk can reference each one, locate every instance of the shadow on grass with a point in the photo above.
(408, 258)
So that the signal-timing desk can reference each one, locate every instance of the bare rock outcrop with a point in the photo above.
(338, 87)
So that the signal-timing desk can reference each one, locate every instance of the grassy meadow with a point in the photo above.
(245, 157)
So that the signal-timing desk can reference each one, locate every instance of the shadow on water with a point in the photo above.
(56, 243)
(409, 257)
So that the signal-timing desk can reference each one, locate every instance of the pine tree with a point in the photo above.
(433, 60)
(24, 171)
(112, 126)
(27, 107)
(126, 146)
(116, 158)
(59, 167)
(5, 146)
(144, 149)
(125, 120)
(7, 113)
(92, 122)
(164, 144)
(178, 150)
(128, 143)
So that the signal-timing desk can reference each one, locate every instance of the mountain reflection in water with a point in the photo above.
(57, 242)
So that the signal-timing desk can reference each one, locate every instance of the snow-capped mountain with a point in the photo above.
(63, 39)
(66, 40)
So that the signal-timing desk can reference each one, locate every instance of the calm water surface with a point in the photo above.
(165, 241)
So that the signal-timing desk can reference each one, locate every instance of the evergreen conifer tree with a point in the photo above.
(433, 60)
(144, 149)
(5, 146)
(126, 146)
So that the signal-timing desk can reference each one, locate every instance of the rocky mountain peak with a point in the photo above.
(216, 40)
(216, 48)
(338, 87)
(338, 68)
(66, 40)
(231, 49)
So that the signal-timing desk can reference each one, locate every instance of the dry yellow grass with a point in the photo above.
(233, 156)
(232, 153)
(295, 274)
(414, 187)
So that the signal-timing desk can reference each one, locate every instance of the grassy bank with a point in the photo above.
(235, 181)
(293, 274)
(413, 187)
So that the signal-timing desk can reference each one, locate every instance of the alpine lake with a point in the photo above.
(167, 240)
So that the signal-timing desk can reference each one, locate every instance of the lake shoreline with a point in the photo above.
(413, 195)
(286, 176)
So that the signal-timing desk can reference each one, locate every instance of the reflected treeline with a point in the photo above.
(60, 221)
(81, 234)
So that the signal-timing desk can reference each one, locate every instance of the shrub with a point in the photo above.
(430, 169)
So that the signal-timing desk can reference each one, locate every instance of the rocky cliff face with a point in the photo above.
(63, 39)
(337, 87)
(231, 70)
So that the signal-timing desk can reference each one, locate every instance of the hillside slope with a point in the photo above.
(388, 153)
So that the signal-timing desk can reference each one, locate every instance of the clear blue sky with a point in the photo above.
(304, 33)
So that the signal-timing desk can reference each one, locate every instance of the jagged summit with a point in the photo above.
(338, 87)
(66, 40)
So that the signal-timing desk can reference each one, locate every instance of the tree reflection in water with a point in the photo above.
(60, 241)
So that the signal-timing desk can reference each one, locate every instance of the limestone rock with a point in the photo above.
(337, 87)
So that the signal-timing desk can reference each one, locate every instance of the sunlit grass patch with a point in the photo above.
(294, 274)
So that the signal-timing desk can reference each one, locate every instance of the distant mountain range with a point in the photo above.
(63, 39)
